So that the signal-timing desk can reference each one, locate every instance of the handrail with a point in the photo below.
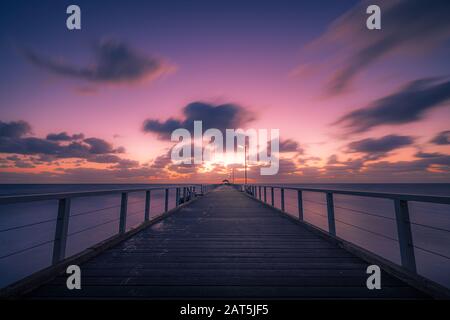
(62, 195)
(402, 219)
(393, 196)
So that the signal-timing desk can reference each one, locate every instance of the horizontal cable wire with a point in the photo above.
(292, 207)
(316, 213)
(93, 227)
(96, 210)
(135, 213)
(26, 225)
(357, 227)
(428, 226)
(92, 211)
(26, 249)
(312, 201)
(367, 230)
(432, 252)
(138, 201)
(365, 212)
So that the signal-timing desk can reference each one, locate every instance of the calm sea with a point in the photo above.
(27, 230)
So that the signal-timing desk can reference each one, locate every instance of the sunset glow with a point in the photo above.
(293, 67)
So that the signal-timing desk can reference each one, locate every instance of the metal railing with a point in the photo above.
(183, 193)
(400, 201)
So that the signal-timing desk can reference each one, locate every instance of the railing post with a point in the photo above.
(330, 210)
(405, 239)
(300, 204)
(123, 212)
(184, 194)
(62, 226)
(166, 200)
(265, 194)
(282, 199)
(147, 205)
(259, 191)
(272, 199)
(177, 197)
(193, 191)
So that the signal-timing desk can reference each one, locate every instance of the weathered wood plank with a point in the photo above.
(229, 280)
(146, 292)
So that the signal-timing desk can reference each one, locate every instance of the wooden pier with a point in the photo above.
(226, 245)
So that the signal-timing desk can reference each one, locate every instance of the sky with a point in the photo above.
(98, 105)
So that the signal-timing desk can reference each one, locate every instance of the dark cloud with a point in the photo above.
(162, 161)
(99, 146)
(420, 166)
(31, 145)
(428, 167)
(63, 136)
(104, 158)
(409, 104)
(379, 147)
(18, 162)
(290, 145)
(125, 164)
(23, 164)
(183, 168)
(38, 146)
(115, 62)
(427, 155)
(442, 138)
(407, 25)
(360, 170)
(55, 146)
(334, 167)
(224, 116)
(14, 129)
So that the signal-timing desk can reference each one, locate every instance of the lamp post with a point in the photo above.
(233, 174)
(245, 160)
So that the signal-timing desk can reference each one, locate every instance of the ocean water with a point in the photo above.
(27, 230)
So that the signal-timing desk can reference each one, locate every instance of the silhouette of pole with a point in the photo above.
(245, 161)
(233, 175)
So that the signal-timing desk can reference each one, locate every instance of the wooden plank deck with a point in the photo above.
(226, 245)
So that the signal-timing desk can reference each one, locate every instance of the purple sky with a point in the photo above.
(352, 105)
